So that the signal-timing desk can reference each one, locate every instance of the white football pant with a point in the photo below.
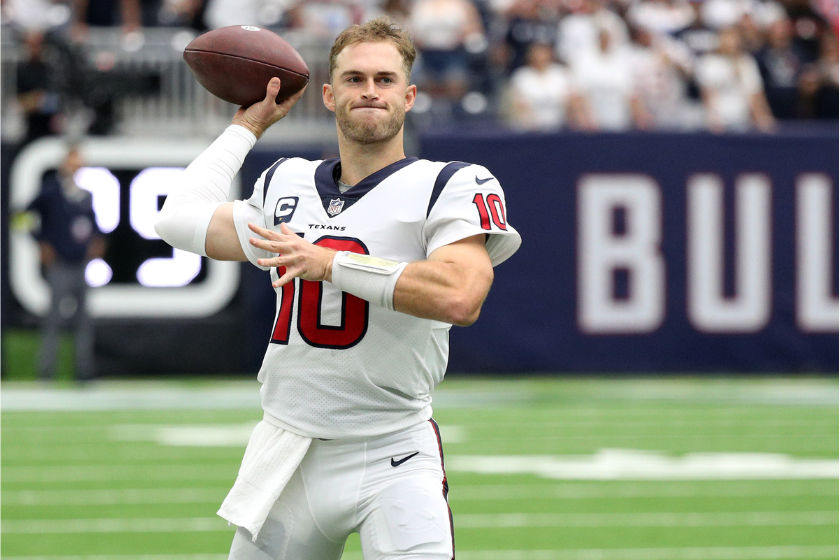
(390, 489)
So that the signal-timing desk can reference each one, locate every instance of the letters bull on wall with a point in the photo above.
(659, 253)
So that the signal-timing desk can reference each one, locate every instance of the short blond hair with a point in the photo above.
(375, 30)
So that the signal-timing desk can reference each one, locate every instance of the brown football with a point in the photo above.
(235, 63)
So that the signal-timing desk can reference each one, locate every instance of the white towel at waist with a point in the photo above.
(270, 459)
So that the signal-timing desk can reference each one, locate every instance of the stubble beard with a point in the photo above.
(369, 131)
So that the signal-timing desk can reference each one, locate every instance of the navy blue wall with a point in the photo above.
(529, 320)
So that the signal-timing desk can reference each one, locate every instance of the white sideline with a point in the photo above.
(216, 435)
(791, 552)
(131, 472)
(458, 493)
(244, 394)
(114, 497)
(633, 464)
(705, 519)
(462, 521)
(128, 557)
(695, 553)
(568, 425)
(606, 464)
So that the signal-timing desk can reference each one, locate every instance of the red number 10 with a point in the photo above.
(354, 311)
(497, 211)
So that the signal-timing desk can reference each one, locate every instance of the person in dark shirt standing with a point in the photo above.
(69, 239)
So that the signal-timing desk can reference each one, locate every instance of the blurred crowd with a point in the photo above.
(610, 65)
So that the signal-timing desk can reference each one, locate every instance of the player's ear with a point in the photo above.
(329, 97)
(410, 97)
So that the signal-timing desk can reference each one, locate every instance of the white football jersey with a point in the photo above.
(336, 365)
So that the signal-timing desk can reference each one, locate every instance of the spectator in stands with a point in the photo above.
(661, 16)
(722, 14)
(105, 13)
(661, 68)
(781, 63)
(580, 31)
(605, 80)
(542, 96)
(818, 84)
(222, 13)
(732, 89)
(699, 37)
(399, 11)
(36, 93)
(184, 13)
(441, 29)
(35, 15)
(324, 18)
(753, 36)
(753, 17)
(69, 239)
(528, 22)
(808, 27)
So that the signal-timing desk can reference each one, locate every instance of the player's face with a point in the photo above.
(369, 92)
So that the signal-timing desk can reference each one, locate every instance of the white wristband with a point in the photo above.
(370, 278)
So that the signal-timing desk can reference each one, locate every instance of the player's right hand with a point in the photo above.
(261, 115)
(300, 257)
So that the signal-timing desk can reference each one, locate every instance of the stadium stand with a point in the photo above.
(129, 79)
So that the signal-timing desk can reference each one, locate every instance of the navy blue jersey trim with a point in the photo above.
(445, 482)
(328, 172)
(442, 179)
(324, 178)
(269, 175)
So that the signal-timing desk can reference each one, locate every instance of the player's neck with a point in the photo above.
(360, 160)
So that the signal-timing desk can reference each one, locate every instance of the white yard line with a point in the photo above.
(634, 464)
(606, 464)
(244, 394)
(636, 489)
(128, 557)
(141, 525)
(695, 553)
(764, 425)
(705, 519)
(458, 493)
(132, 472)
(462, 521)
(115, 497)
(116, 395)
(130, 396)
(179, 435)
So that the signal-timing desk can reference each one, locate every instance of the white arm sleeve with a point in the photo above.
(186, 214)
(250, 211)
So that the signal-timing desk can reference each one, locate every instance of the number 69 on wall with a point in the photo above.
(163, 284)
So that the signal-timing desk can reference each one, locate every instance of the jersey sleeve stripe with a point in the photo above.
(445, 483)
(442, 179)
(269, 175)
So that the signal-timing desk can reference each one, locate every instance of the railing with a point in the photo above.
(181, 107)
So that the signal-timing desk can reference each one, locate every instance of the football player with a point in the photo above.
(374, 256)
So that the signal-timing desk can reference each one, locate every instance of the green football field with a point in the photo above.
(539, 468)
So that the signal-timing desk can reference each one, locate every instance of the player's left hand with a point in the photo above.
(300, 257)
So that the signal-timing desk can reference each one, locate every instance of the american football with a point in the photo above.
(235, 63)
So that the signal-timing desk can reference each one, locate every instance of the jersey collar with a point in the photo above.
(326, 179)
